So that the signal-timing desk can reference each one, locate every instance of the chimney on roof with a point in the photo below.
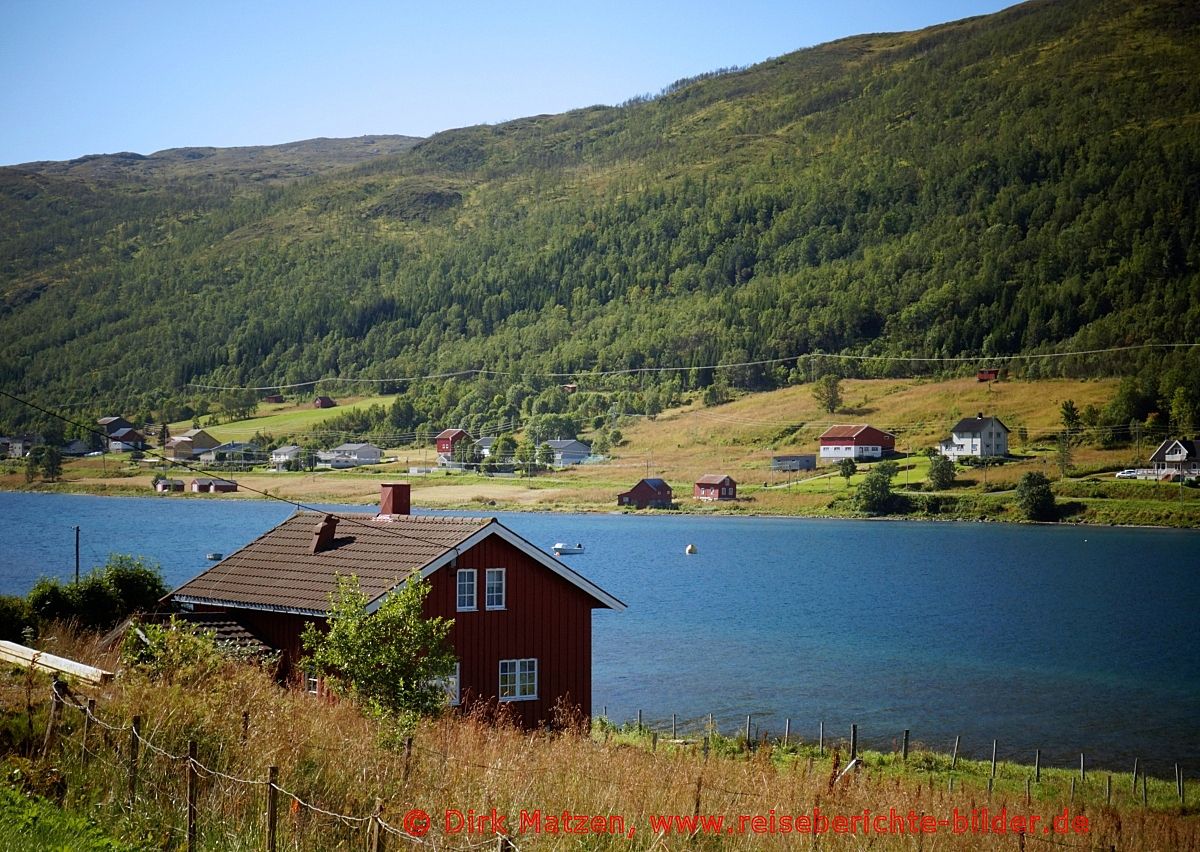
(395, 499)
(979, 415)
(323, 534)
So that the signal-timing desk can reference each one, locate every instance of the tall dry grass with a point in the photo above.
(331, 758)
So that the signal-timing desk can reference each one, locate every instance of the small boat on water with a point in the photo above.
(560, 548)
(690, 549)
(214, 557)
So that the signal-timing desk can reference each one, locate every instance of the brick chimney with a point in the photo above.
(394, 498)
(323, 534)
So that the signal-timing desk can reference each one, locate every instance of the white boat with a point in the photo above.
(214, 557)
(560, 548)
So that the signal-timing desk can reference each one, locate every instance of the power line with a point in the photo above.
(941, 359)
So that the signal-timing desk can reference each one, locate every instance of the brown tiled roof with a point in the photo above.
(226, 630)
(278, 570)
(843, 432)
(712, 479)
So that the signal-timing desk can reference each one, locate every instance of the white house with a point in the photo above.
(351, 455)
(1175, 458)
(281, 456)
(230, 451)
(568, 451)
(984, 437)
(855, 441)
(484, 445)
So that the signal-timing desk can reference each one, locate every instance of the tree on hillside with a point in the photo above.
(1183, 413)
(1071, 420)
(847, 468)
(941, 472)
(828, 393)
(503, 448)
(888, 468)
(1034, 496)
(1062, 454)
(395, 661)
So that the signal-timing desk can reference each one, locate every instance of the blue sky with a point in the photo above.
(100, 77)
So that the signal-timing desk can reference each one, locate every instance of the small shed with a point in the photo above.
(205, 485)
(650, 493)
(715, 486)
(165, 485)
(804, 461)
(273, 397)
(324, 402)
(989, 375)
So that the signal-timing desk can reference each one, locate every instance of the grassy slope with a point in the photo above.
(738, 438)
(328, 755)
(281, 419)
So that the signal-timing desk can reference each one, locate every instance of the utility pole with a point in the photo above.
(76, 554)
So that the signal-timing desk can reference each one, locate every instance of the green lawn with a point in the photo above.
(279, 420)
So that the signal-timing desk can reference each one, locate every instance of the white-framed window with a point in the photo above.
(310, 683)
(466, 590)
(494, 591)
(453, 685)
(518, 680)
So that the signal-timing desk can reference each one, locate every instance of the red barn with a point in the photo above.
(988, 375)
(856, 441)
(647, 494)
(324, 402)
(715, 486)
(522, 620)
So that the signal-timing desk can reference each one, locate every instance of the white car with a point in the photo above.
(1127, 474)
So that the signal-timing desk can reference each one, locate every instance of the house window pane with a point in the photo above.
(495, 588)
(518, 680)
(466, 589)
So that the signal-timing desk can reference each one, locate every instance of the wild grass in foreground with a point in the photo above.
(333, 775)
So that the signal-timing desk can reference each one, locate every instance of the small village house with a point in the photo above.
(283, 456)
(350, 455)
(484, 446)
(324, 402)
(190, 445)
(983, 437)
(715, 486)
(568, 451)
(113, 424)
(855, 441)
(273, 398)
(650, 493)
(447, 440)
(166, 485)
(804, 461)
(18, 446)
(522, 620)
(212, 485)
(231, 452)
(77, 447)
(126, 440)
(1175, 458)
(990, 374)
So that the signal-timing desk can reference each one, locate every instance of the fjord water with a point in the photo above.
(1066, 639)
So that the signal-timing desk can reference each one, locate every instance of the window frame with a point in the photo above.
(473, 606)
(487, 589)
(521, 666)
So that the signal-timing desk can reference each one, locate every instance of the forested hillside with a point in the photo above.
(1018, 183)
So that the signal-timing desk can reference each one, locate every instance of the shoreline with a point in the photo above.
(708, 510)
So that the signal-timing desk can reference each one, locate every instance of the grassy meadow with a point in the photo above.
(335, 771)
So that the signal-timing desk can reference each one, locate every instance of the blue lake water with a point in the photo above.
(1066, 639)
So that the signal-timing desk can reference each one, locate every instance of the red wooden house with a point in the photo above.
(647, 494)
(715, 486)
(987, 375)
(324, 402)
(856, 441)
(522, 620)
(273, 397)
(446, 441)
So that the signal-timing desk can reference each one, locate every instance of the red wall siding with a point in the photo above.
(545, 617)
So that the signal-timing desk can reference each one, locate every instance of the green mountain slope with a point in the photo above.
(1014, 183)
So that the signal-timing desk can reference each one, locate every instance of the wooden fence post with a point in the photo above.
(673, 727)
(245, 726)
(639, 721)
(376, 835)
(191, 796)
(407, 758)
(272, 780)
(87, 727)
(954, 756)
(56, 704)
(853, 741)
(904, 748)
(135, 731)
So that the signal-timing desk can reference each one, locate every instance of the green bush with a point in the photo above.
(124, 585)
